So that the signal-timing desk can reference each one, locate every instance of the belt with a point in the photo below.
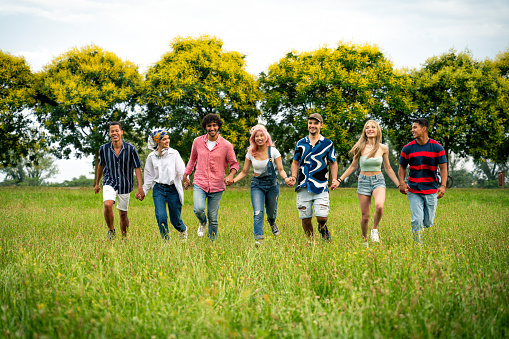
(165, 185)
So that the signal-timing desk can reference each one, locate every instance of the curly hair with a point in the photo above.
(210, 118)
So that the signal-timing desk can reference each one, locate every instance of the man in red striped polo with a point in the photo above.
(425, 156)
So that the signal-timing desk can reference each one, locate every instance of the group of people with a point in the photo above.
(314, 163)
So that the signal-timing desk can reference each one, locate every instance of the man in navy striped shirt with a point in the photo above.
(117, 159)
(424, 155)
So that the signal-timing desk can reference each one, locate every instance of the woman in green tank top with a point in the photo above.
(369, 153)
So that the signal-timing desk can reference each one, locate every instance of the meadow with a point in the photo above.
(61, 277)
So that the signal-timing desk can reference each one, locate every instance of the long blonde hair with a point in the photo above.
(359, 147)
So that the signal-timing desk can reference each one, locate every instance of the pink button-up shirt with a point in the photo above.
(210, 165)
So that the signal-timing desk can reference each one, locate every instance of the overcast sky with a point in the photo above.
(408, 31)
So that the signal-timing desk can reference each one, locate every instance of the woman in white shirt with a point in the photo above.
(164, 171)
(264, 186)
(370, 153)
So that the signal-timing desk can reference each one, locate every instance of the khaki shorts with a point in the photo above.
(109, 193)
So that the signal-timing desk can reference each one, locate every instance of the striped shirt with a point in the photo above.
(118, 171)
(313, 170)
(423, 161)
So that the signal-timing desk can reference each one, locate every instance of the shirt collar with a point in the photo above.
(319, 140)
(218, 140)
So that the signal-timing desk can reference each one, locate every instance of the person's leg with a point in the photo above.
(321, 204)
(199, 197)
(365, 203)
(213, 201)
(258, 202)
(158, 195)
(430, 207)
(307, 225)
(417, 211)
(175, 209)
(108, 214)
(379, 197)
(124, 222)
(271, 199)
(109, 197)
(304, 206)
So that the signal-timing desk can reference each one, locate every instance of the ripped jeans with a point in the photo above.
(264, 195)
(306, 200)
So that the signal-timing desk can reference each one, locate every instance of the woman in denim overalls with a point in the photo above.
(264, 186)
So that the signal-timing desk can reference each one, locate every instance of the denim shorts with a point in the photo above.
(306, 200)
(368, 183)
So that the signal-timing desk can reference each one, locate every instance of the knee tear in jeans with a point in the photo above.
(257, 212)
(324, 207)
(302, 208)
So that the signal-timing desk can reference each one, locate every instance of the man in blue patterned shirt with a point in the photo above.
(117, 159)
(312, 156)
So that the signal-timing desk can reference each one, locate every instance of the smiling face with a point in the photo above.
(212, 131)
(314, 126)
(260, 138)
(371, 130)
(418, 131)
(116, 133)
(164, 142)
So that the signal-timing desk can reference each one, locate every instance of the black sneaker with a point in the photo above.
(274, 229)
(324, 231)
(111, 234)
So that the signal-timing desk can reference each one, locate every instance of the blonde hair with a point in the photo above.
(359, 147)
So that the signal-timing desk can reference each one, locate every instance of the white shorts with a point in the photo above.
(109, 193)
(306, 200)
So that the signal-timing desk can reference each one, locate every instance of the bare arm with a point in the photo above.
(244, 172)
(334, 175)
(443, 176)
(403, 188)
(350, 169)
(295, 171)
(281, 170)
(140, 194)
(388, 168)
(98, 176)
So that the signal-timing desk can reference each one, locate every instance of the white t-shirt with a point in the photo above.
(211, 144)
(259, 165)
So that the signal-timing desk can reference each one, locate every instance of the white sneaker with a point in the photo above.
(365, 244)
(374, 236)
(201, 229)
(183, 236)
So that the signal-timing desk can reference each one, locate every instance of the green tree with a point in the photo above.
(346, 85)
(81, 92)
(18, 133)
(463, 100)
(195, 78)
(28, 172)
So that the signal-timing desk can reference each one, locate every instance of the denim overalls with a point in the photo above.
(264, 193)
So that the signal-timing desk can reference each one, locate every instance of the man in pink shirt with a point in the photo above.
(211, 154)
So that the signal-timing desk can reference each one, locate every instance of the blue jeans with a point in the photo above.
(264, 195)
(167, 195)
(213, 200)
(422, 208)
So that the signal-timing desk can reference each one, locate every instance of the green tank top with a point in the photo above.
(371, 164)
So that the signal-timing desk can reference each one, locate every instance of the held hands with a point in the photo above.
(140, 195)
(229, 180)
(403, 188)
(335, 184)
(290, 181)
(186, 182)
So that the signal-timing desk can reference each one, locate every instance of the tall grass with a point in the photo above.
(60, 277)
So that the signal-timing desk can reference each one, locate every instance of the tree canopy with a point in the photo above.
(195, 78)
(463, 100)
(82, 91)
(18, 133)
(346, 85)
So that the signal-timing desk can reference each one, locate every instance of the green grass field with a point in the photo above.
(60, 277)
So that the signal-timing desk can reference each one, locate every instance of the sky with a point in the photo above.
(407, 31)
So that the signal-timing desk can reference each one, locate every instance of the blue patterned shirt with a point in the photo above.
(313, 169)
(118, 171)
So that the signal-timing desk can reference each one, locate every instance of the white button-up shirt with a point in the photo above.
(168, 170)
